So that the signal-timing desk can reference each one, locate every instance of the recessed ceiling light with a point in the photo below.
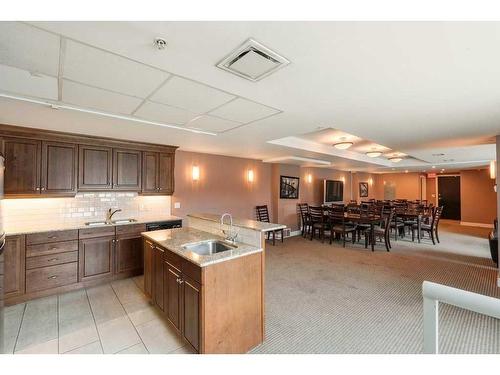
(343, 145)
(433, 167)
(396, 159)
(373, 154)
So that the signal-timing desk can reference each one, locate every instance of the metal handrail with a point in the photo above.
(434, 293)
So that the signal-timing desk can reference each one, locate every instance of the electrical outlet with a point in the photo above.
(177, 205)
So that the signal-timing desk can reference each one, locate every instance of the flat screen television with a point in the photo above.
(333, 191)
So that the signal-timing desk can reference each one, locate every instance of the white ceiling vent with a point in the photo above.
(252, 61)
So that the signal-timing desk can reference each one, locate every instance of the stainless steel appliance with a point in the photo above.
(164, 225)
(2, 245)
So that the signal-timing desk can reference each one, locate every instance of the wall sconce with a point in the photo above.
(250, 175)
(342, 179)
(309, 178)
(370, 181)
(196, 173)
(493, 169)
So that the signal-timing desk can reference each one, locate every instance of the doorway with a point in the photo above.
(448, 190)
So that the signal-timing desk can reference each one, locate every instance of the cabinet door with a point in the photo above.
(126, 170)
(166, 174)
(94, 168)
(158, 277)
(95, 256)
(59, 168)
(172, 282)
(22, 166)
(129, 255)
(148, 267)
(191, 311)
(150, 172)
(14, 266)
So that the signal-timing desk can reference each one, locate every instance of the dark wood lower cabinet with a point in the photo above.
(157, 280)
(191, 294)
(14, 266)
(96, 257)
(173, 294)
(129, 254)
(148, 268)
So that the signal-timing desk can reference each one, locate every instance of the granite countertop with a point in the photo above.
(242, 223)
(175, 239)
(52, 227)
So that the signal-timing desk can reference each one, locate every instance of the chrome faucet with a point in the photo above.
(110, 214)
(230, 234)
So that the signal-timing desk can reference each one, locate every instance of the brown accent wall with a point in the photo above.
(407, 185)
(223, 185)
(364, 177)
(478, 199)
(431, 191)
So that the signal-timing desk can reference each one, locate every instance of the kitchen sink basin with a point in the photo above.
(208, 247)
(113, 222)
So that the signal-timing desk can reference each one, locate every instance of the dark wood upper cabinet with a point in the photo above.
(22, 166)
(59, 168)
(127, 170)
(158, 173)
(166, 173)
(150, 172)
(95, 168)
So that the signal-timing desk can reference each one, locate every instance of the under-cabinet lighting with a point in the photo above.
(104, 114)
(196, 173)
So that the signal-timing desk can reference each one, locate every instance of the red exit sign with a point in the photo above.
(431, 175)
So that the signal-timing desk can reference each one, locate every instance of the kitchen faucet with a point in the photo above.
(230, 234)
(110, 214)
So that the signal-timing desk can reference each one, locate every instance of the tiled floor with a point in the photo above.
(111, 318)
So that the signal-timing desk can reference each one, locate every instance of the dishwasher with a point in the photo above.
(164, 225)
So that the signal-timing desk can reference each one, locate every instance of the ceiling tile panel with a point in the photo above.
(244, 111)
(29, 48)
(211, 123)
(22, 82)
(190, 95)
(164, 113)
(91, 97)
(109, 71)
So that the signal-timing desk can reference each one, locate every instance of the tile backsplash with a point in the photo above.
(83, 207)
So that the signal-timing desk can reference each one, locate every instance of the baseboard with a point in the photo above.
(466, 223)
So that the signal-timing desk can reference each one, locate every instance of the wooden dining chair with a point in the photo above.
(305, 221)
(318, 222)
(382, 231)
(339, 226)
(432, 228)
(263, 215)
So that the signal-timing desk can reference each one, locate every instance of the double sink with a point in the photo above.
(112, 222)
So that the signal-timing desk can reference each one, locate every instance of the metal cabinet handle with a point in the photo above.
(180, 281)
(52, 277)
(37, 189)
(159, 248)
(43, 188)
(52, 259)
(52, 237)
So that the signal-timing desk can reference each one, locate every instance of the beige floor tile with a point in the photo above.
(127, 291)
(136, 349)
(48, 347)
(92, 348)
(13, 316)
(76, 324)
(104, 303)
(139, 281)
(158, 337)
(141, 312)
(117, 334)
(39, 323)
(184, 350)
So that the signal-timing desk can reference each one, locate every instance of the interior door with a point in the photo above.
(449, 196)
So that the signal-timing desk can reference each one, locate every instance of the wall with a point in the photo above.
(364, 177)
(477, 197)
(223, 185)
(36, 212)
(431, 191)
(407, 185)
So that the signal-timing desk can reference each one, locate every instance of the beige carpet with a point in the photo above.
(321, 298)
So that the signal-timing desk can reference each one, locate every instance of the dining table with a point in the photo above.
(370, 219)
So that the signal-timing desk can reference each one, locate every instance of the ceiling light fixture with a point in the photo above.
(104, 114)
(343, 145)
(373, 154)
(160, 43)
(396, 159)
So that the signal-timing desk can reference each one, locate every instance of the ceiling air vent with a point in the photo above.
(252, 61)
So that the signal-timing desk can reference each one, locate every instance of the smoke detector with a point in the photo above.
(160, 43)
(252, 61)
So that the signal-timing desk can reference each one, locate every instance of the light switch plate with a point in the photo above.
(177, 205)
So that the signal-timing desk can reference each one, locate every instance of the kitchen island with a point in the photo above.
(213, 298)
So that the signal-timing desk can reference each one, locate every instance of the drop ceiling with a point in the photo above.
(418, 88)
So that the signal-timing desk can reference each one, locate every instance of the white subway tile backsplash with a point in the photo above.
(84, 206)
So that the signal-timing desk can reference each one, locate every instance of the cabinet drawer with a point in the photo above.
(51, 277)
(51, 260)
(51, 248)
(55, 236)
(191, 270)
(173, 259)
(97, 232)
(132, 228)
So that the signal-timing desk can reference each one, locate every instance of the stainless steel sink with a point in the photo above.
(209, 247)
(113, 222)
